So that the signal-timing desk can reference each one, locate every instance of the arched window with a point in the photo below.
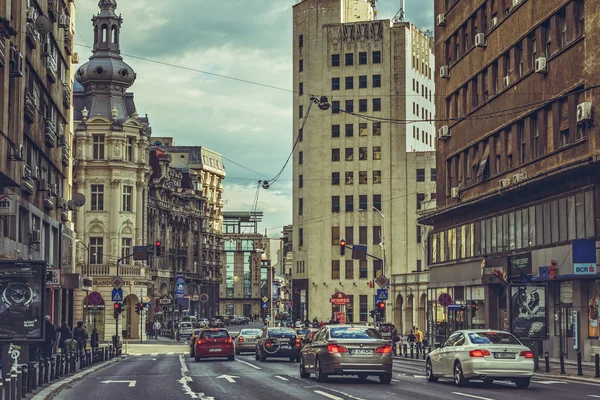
(114, 34)
(96, 38)
(104, 33)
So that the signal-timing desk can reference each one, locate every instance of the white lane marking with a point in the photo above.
(230, 378)
(281, 377)
(170, 354)
(471, 396)
(549, 382)
(184, 368)
(131, 383)
(154, 354)
(248, 364)
(328, 395)
(344, 394)
(154, 359)
(395, 380)
(420, 376)
(594, 395)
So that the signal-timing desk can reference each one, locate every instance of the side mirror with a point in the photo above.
(233, 337)
(437, 345)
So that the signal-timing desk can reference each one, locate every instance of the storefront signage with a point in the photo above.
(7, 204)
(528, 318)
(179, 286)
(584, 257)
(339, 299)
(585, 269)
(125, 283)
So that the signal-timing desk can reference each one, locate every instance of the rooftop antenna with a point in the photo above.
(399, 17)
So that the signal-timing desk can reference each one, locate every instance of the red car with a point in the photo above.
(214, 343)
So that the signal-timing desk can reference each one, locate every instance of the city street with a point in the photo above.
(176, 376)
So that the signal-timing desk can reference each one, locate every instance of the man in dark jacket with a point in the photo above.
(65, 334)
(79, 336)
(49, 338)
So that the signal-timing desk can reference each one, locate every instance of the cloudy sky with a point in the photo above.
(248, 124)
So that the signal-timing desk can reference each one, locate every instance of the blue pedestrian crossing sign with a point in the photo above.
(117, 295)
(382, 295)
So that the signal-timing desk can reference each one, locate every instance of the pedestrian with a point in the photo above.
(419, 336)
(315, 322)
(65, 334)
(148, 329)
(79, 336)
(49, 338)
(156, 328)
(94, 339)
(307, 322)
(412, 339)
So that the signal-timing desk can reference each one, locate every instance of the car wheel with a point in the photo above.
(429, 371)
(459, 378)
(386, 378)
(292, 359)
(262, 357)
(303, 373)
(319, 375)
(237, 352)
(231, 358)
(523, 383)
(363, 377)
(488, 381)
(256, 357)
(196, 358)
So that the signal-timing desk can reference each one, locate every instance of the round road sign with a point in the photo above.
(94, 299)
(204, 297)
(445, 299)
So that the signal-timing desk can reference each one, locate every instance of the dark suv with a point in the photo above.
(278, 343)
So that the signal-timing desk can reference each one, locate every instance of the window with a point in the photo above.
(420, 199)
(376, 177)
(300, 206)
(300, 135)
(349, 128)
(536, 136)
(362, 153)
(349, 235)
(362, 58)
(335, 178)
(300, 41)
(362, 129)
(418, 234)
(349, 59)
(349, 106)
(300, 181)
(349, 178)
(377, 201)
(335, 83)
(127, 198)
(362, 178)
(126, 250)
(349, 204)
(300, 111)
(96, 250)
(580, 17)
(420, 174)
(362, 273)
(335, 60)
(376, 128)
(349, 153)
(300, 65)
(335, 204)
(433, 174)
(335, 107)
(376, 104)
(349, 82)
(335, 155)
(362, 105)
(522, 143)
(300, 158)
(335, 131)
(376, 81)
(362, 82)
(376, 152)
(335, 235)
(301, 88)
(376, 57)
(519, 59)
(562, 24)
(377, 267)
(335, 269)
(97, 197)
(564, 123)
(349, 269)
(130, 143)
(98, 147)
(546, 34)
(533, 48)
(376, 234)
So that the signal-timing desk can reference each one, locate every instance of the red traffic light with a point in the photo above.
(473, 305)
(381, 305)
(342, 243)
(158, 243)
(117, 306)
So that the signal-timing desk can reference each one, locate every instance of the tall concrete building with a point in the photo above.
(515, 235)
(358, 177)
(35, 141)
(112, 172)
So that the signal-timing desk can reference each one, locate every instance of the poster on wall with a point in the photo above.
(593, 310)
(22, 289)
(528, 311)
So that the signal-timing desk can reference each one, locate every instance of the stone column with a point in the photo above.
(115, 209)
(140, 213)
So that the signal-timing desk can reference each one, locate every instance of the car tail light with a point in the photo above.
(241, 339)
(267, 344)
(297, 342)
(334, 348)
(228, 340)
(478, 353)
(527, 354)
(199, 341)
(384, 349)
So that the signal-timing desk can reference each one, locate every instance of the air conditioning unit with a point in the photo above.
(36, 236)
(584, 112)
(47, 47)
(36, 173)
(441, 19)
(54, 189)
(540, 65)
(26, 172)
(444, 132)
(18, 152)
(30, 14)
(445, 72)
(480, 40)
(504, 183)
(62, 141)
(16, 63)
(455, 192)
(506, 80)
(43, 186)
(520, 177)
(494, 21)
(63, 21)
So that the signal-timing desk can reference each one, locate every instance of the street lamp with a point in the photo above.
(263, 257)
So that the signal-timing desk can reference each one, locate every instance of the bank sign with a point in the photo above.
(584, 257)
(585, 269)
(7, 204)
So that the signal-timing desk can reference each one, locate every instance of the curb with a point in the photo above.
(55, 388)
(567, 378)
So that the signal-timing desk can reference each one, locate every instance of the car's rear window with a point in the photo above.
(359, 332)
(251, 332)
(282, 333)
(492, 338)
(302, 331)
(214, 334)
(386, 328)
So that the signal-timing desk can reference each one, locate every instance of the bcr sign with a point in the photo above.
(585, 269)
(7, 204)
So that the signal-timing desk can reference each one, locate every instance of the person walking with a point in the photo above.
(148, 329)
(419, 336)
(412, 339)
(49, 338)
(65, 334)
(79, 336)
(156, 328)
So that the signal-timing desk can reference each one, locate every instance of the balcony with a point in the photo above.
(413, 277)
(50, 133)
(32, 35)
(29, 113)
(53, 9)
(27, 184)
(51, 69)
(129, 270)
(68, 42)
(96, 270)
(65, 155)
(66, 95)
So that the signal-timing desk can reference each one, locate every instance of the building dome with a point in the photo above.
(105, 70)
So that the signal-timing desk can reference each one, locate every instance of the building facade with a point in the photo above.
(112, 172)
(35, 140)
(517, 160)
(355, 174)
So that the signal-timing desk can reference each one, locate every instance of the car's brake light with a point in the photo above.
(478, 353)
(228, 340)
(297, 342)
(527, 354)
(241, 339)
(334, 348)
(384, 349)
(199, 341)
(267, 344)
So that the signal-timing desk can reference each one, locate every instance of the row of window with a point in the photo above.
(362, 82)
(363, 270)
(363, 58)
(97, 198)
(423, 136)
(546, 39)
(349, 203)
(363, 129)
(99, 147)
(551, 222)
(421, 174)
(422, 67)
(96, 253)
(42, 167)
(425, 114)
(349, 106)
(425, 91)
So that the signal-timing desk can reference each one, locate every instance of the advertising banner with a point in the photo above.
(528, 311)
(276, 290)
(22, 289)
(179, 286)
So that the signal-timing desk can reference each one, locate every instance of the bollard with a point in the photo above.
(547, 360)
(110, 350)
(57, 371)
(424, 353)
(13, 385)
(41, 372)
(579, 366)
(46, 370)
(19, 388)
(412, 349)
(25, 370)
(67, 357)
(32, 376)
(7, 387)
(562, 363)
(73, 362)
(53, 368)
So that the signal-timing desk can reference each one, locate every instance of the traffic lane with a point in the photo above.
(133, 377)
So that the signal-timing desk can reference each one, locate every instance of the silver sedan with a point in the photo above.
(246, 340)
(486, 355)
(347, 350)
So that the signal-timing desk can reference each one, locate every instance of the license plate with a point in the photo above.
(361, 352)
(285, 346)
(214, 350)
(504, 355)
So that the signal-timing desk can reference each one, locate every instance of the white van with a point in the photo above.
(189, 318)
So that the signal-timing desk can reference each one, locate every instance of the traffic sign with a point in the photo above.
(265, 299)
(445, 299)
(382, 295)
(117, 295)
(147, 299)
(117, 282)
(94, 299)
(204, 297)
(265, 305)
(382, 281)
(140, 253)
(165, 308)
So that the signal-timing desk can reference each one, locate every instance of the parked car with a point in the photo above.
(246, 340)
(185, 330)
(214, 343)
(481, 354)
(241, 321)
(193, 338)
(347, 350)
(203, 322)
(216, 323)
(278, 343)
(307, 336)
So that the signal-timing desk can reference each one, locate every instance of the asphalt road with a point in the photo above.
(180, 377)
